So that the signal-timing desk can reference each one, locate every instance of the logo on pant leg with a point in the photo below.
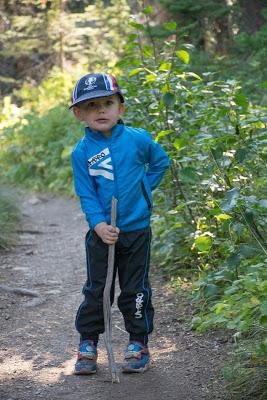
(139, 305)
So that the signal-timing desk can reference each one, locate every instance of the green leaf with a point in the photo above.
(148, 10)
(147, 49)
(179, 144)
(203, 243)
(66, 152)
(183, 55)
(241, 100)
(223, 111)
(135, 71)
(230, 200)
(219, 307)
(211, 290)
(170, 26)
(263, 308)
(165, 66)
(189, 175)
(193, 75)
(136, 25)
(168, 99)
(217, 152)
(231, 325)
(233, 261)
(223, 275)
(248, 250)
(237, 228)
(196, 321)
(231, 290)
(222, 217)
(263, 203)
(150, 78)
(240, 155)
(165, 88)
(263, 320)
(164, 133)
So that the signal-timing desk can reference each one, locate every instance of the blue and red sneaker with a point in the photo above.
(136, 358)
(87, 356)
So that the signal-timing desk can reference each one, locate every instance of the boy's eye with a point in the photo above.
(93, 104)
(86, 106)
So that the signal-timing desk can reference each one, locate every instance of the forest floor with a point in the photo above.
(39, 341)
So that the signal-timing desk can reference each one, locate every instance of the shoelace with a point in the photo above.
(90, 353)
(135, 353)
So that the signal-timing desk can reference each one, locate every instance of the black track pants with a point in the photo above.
(132, 256)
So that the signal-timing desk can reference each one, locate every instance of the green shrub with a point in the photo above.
(211, 210)
(36, 151)
(236, 301)
(9, 218)
(245, 376)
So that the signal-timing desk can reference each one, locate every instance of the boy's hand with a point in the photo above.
(107, 233)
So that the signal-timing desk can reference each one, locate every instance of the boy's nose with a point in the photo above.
(100, 107)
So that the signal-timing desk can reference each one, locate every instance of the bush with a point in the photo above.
(9, 218)
(41, 147)
(211, 211)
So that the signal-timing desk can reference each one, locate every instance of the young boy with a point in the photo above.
(114, 160)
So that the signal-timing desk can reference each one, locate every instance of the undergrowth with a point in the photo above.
(246, 376)
(9, 218)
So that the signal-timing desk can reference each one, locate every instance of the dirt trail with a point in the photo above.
(39, 341)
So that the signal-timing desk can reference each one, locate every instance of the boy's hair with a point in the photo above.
(92, 86)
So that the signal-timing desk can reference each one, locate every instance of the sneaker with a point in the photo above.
(136, 358)
(87, 356)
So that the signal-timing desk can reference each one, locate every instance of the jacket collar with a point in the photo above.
(116, 131)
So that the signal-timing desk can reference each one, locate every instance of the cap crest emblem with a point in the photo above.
(90, 83)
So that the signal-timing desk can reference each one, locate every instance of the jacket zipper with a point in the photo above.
(146, 195)
(116, 194)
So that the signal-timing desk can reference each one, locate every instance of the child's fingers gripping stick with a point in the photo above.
(107, 233)
(112, 234)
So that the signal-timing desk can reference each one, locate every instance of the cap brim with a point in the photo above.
(95, 95)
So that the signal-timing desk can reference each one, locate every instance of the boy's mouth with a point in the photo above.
(101, 120)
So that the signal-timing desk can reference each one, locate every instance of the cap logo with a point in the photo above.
(90, 83)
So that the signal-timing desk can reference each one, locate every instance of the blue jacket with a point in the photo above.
(128, 165)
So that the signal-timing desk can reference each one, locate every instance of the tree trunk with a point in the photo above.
(251, 18)
(222, 33)
(61, 44)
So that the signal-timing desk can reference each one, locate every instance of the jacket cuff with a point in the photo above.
(95, 219)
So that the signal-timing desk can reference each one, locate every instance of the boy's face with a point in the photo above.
(100, 114)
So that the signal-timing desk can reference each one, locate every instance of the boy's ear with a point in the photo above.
(122, 109)
(77, 112)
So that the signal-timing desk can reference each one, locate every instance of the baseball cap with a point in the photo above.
(91, 86)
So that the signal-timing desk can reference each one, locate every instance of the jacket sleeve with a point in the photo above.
(158, 162)
(86, 190)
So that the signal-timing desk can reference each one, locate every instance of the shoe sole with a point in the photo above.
(136, 370)
(84, 372)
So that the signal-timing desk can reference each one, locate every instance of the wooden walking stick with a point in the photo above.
(106, 301)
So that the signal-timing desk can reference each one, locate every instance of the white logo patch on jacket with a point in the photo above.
(104, 167)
